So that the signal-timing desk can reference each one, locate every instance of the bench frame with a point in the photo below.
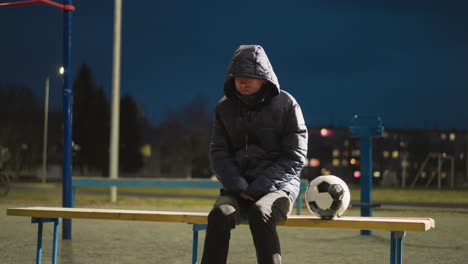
(396, 226)
(161, 183)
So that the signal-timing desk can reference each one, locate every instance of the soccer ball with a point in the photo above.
(327, 196)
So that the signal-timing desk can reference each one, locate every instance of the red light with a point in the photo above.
(326, 132)
(357, 174)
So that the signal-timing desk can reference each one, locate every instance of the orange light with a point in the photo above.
(314, 162)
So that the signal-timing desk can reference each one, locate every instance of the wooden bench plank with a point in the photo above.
(348, 222)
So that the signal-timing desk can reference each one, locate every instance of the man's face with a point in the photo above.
(248, 86)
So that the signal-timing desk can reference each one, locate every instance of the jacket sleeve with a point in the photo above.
(291, 160)
(222, 160)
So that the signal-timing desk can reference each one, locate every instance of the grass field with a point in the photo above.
(119, 242)
(52, 192)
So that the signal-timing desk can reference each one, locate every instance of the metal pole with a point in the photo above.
(67, 119)
(114, 140)
(404, 165)
(466, 159)
(366, 178)
(452, 172)
(439, 169)
(46, 121)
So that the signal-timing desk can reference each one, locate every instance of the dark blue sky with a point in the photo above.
(406, 61)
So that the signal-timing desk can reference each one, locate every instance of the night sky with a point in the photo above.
(406, 61)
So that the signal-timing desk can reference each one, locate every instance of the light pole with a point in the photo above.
(46, 121)
(115, 118)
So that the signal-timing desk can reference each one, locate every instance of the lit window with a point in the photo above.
(443, 175)
(336, 153)
(325, 171)
(353, 161)
(386, 154)
(423, 174)
(346, 143)
(336, 162)
(145, 150)
(344, 162)
(443, 136)
(376, 174)
(462, 156)
(395, 154)
(355, 153)
(452, 136)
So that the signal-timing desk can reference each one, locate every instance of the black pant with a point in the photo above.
(263, 215)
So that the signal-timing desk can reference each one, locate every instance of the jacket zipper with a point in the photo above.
(246, 145)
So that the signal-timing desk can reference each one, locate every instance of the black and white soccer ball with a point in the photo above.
(327, 196)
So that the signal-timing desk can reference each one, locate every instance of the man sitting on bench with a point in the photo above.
(258, 149)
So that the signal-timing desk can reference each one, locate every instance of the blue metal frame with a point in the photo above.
(196, 228)
(396, 244)
(396, 241)
(364, 127)
(366, 177)
(67, 118)
(159, 183)
(40, 221)
(396, 247)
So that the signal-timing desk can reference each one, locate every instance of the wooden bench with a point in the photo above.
(160, 183)
(397, 226)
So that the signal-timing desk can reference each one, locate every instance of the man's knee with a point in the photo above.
(223, 214)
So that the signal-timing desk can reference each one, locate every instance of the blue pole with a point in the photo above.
(39, 242)
(195, 247)
(366, 178)
(364, 127)
(67, 119)
(55, 244)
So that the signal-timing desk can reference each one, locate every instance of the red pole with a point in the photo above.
(32, 2)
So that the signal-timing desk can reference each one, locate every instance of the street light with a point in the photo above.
(46, 120)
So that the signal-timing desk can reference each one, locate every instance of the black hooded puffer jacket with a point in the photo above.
(261, 146)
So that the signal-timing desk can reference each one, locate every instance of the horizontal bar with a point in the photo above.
(106, 182)
(32, 2)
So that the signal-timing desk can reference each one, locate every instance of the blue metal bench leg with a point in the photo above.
(39, 242)
(56, 236)
(196, 228)
(396, 247)
(40, 221)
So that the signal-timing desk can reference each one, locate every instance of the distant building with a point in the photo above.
(400, 155)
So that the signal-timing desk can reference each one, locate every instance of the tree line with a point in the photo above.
(180, 141)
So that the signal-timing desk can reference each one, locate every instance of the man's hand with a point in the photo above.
(245, 196)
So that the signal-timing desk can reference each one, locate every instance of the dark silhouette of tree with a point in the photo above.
(90, 123)
(131, 135)
(184, 138)
(21, 126)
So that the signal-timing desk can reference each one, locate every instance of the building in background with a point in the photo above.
(400, 156)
